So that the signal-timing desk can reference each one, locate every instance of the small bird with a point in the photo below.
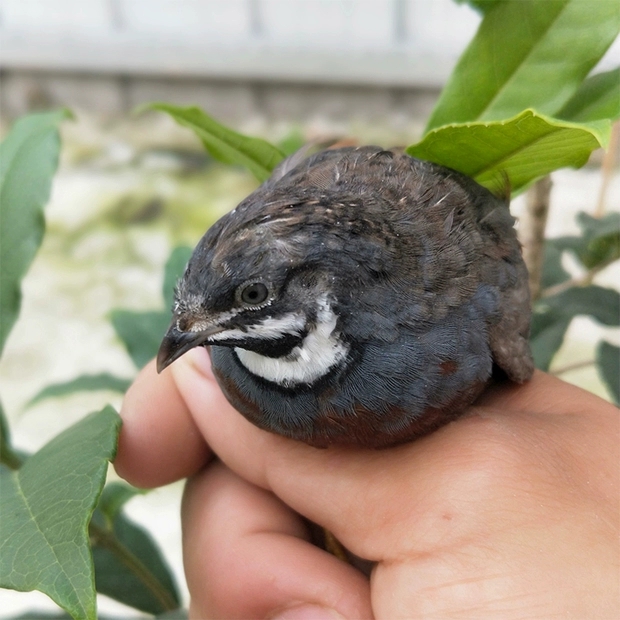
(358, 297)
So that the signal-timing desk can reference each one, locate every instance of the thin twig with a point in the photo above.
(575, 366)
(10, 458)
(607, 169)
(106, 539)
(583, 280)
(532, 231)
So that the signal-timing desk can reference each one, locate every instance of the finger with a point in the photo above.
(329, 485)
(247, 556)
(159, 441)
(427, 479)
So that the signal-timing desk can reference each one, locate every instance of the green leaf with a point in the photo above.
(527, 55)
(128, 564)
(599, 242)
(141, 332)
(257, 155)
(42, 615)
(39, 615)
(608, 362)
(46, 507)
(173, 271)
(547, 335)
(552, 316)
(177, 614)
(553, 273)
(480, 5)
(598, 227)
(597, 98)
(114, 496)
(602, 304)
(84, 383)
(525, 148)
(292, 142)
(7, 456)
(28, 161)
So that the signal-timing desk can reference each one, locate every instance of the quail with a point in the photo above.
(358, 297)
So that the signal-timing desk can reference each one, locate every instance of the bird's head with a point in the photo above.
(262, 280)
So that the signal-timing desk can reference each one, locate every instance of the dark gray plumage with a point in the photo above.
(391, 285)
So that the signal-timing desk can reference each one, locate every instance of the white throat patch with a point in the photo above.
(319, 351)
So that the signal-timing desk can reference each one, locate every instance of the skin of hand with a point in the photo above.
(512, 511)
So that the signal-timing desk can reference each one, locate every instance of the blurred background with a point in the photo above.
(133, 186)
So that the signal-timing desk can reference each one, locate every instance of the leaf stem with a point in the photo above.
(575, 366)
(532, 232)
(583, 280)
(607, 169)
(9, 458)
(106, 539)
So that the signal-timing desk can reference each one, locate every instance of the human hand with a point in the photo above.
(512, 511)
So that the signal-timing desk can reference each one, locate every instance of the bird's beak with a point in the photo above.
(176, 343)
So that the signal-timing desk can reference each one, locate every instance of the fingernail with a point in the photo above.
(200, 359)
(308, 612)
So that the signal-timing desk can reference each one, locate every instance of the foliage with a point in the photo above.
(28, 160)
(527, 55)
(524, 147)
(520, 103)
(224, 144)
(562, 299)
(59, 533)
(129, 566)
(46, 508)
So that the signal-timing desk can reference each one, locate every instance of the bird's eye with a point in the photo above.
(254, 293)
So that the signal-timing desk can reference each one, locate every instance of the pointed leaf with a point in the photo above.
(553, 272)
(257, 155)
(548, 331)
(46, 507)
(174, 270)
(525, 147)
(129, 566)
(599, 242)
(84, 383)
(602, 304)
(597, 98)
(8, 456)
(527, 54)
(547, 335)
(177, 614)
(141, 332)
(608, 362)
(480, 5)
(42, 615)
(28, 161)
(114, 496)
(124, 553)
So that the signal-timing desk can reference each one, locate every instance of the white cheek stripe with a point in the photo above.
(268, 328)
(319, 351)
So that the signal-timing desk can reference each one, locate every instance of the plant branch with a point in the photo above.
(607, 169)
(532, 232)
(106, 539)
(583, 280)
(575, 366)
(10, 458)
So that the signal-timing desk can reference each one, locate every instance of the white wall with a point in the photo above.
(392, 42)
